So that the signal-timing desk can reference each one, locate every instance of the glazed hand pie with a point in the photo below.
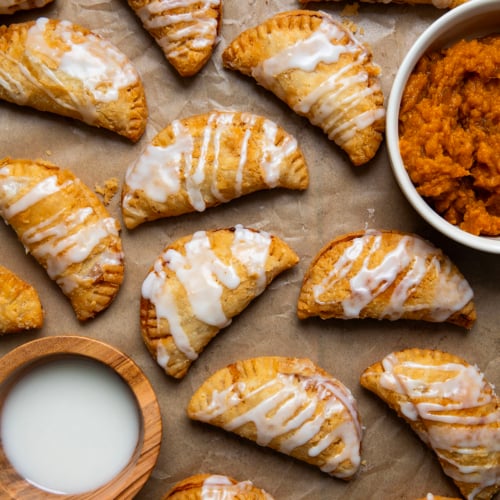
(440, 4)
(11, 6)
(57, 66)
(209, 159)
(63, 224)
(199, 283)
(316, 66)
(187, 31)
(287, 404)
(20, 307)
(216, 487)
(451, 407)
(385, 275)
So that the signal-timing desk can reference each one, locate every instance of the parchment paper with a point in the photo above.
(341, 198)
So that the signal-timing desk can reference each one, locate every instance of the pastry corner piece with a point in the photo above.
(385, 275)
(320, 70)
(12, 6)
(186, 31)
(287, 404)
(20, 306)
(66, 228)
(205, 160)
(451, 407)
(216, 486)
(199, 283)
(59, 67)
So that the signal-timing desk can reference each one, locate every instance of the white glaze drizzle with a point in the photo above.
(452, 291)
(62, 239)
(161, 172)
(193, 23)
(328, 103)
(218, 487)
(101, 68)
(462, 387)
(40, 191)
(204, 277)
(289, 404)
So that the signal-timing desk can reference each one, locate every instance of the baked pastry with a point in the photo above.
(199, 283)
(11, 6)
(430, 496)
(316, 66)
(287, 404)
(187, 31)
(451, 407)
(56, 66)
(440, 4)
(209, 159)
(217, 487)
(20, 307)
(385, 275)
(65, 226)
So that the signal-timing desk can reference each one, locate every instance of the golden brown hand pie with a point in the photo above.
(440, 4)
(316, 66)
(216, 487)
(63, 224)
(199, 283)
(11, 6)
(451, 407)
(287, 404)
(385, 275)
(208, 159)
(56, 66)
(20, 307)
(186, 30)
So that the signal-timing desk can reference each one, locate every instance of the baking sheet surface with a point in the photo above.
(340, 199)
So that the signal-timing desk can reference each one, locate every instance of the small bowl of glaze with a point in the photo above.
(472, 19)
(78, 419)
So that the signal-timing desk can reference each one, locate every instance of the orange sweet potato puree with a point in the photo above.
(449, 126)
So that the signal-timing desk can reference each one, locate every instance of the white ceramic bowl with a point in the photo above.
(472, 19)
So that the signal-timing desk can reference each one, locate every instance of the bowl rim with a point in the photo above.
(133, 476)
(424, 42)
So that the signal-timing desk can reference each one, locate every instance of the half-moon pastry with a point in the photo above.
(208, 159)
(287, 404)
(199, 283)
(385, 275)
(316, 66)
(57, 66)
(440, 4)
(217, 487)
(65, 226)
(187, 31)
(451, 407)
(20, 307)
(11, 6)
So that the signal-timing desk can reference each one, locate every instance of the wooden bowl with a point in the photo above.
(132, 478)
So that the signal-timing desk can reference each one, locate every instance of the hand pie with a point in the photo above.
(187, 31)
(199, 283)
(316, 66)
(57, 66)
(63, 224)
(20, 307)
(216, 487)
(451, 407)
(209, 159)
(287, 404)
(385, 275)
(440, 4)
(11, 6)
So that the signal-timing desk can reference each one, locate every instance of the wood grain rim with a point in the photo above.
(132, 478)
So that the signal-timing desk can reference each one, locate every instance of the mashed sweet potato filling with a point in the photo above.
(450, 133)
